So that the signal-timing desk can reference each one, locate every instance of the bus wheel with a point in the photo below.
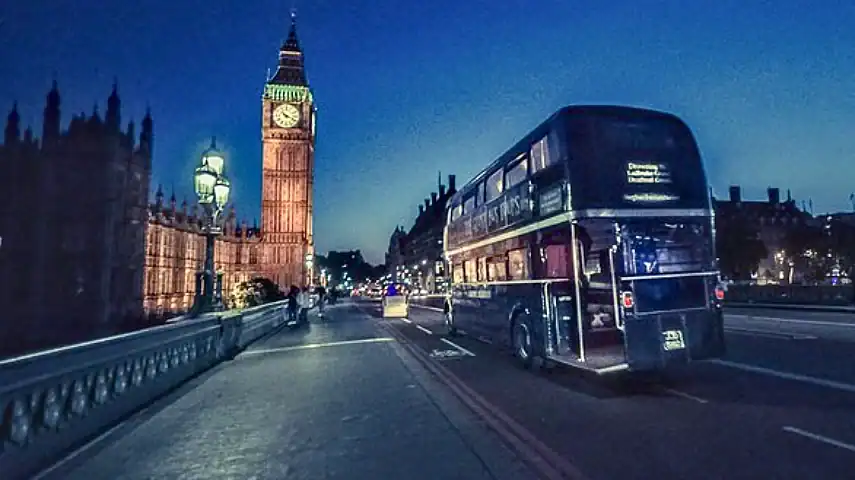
(451, 329)
(521, 339)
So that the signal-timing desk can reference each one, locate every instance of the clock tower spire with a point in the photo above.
(288, 146)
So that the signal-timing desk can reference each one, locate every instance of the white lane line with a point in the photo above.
(318, 345)
(406, 320)
(790, 320)
(845, 387)
(686, 395)
(767, 334)
(449, 342)
(423, 329)
(82, 449)
(820, 438)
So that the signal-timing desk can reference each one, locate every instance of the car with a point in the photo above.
(395, 306)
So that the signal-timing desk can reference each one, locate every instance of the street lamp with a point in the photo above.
(212, 188)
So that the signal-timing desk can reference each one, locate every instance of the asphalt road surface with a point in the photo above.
(360, 397)
(779, 406)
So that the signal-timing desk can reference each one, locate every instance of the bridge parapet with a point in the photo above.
(56, 399)
(814, 295)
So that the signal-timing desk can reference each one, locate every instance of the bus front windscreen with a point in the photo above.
(619, 161)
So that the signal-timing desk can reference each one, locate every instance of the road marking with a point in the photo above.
(406, 320)
(423, 329)
(458, 347)
(767, 334)
(790, 320)
(83, 448)
(788, 376)
(820, 438)
(446, 354)
(318, 345)
(686, 395)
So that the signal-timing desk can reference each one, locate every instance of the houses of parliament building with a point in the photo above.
(83, 248)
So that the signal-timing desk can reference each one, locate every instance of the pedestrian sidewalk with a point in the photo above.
(354, 407)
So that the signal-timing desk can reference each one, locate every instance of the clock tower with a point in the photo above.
(288, 151)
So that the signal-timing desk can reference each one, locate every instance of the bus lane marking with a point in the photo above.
(685, 395)
(423, 329)
(449, 354)
(819, 438)
(458, 347)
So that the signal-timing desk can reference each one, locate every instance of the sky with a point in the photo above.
(406, 89)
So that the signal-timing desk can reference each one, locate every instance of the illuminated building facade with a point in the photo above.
(416, 255)
(288, 146)
(175, 252)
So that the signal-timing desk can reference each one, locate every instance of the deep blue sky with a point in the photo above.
(407, 88)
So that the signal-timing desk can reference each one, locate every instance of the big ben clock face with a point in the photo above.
(286, 115)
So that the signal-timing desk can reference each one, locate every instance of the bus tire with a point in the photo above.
(521, 342)
(451, 329)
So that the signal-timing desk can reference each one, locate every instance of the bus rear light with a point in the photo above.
(627, 300)
(719, 293)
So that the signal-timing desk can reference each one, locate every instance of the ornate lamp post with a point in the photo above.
(212, 189)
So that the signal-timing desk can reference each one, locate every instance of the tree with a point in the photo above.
(739, 246)
(258, 291)
(805, 245)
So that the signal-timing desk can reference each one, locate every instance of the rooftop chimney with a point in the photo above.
(735, 193)
(421, 210)
(451, 186)
(774, 195)
(433, 198)
(441, 191)
(427, 203)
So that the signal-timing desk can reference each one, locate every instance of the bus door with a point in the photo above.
(598, 315)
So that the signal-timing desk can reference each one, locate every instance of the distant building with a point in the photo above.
(72, 218)
(774, 218)
(175, 252)
(418, 252)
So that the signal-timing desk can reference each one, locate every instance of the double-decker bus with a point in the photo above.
(590, 244)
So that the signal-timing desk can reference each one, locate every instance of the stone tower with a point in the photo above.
(288, 141)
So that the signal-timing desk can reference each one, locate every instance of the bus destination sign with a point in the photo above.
(653, 174)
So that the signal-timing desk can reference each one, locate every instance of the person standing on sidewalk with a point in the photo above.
(322, 298)
(293, 304)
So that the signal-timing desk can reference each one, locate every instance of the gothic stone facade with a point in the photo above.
(72, 221)
(288, 145)
(175, 252)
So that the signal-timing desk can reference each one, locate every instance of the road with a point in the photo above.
(360, 397)
(790, 418)
(338, 399)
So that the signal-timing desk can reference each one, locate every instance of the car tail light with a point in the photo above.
(627, 300)
(719, 293)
